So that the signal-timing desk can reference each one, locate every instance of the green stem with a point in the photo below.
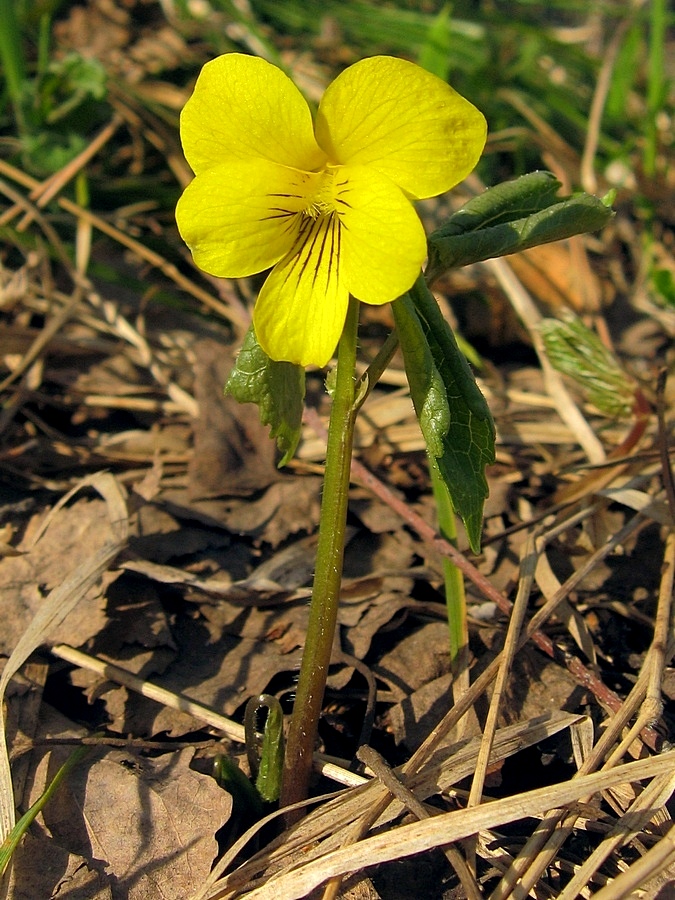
(328, 573)
(455, 597)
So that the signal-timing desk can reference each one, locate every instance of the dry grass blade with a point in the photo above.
(526, 582)
(567, 409)
(397, 789)
(451, 827)
(546, 842)
(56, 607)
(336, 823)
(122, 327)
(627, 827)
(228, 727)
(586, 168)
(657, 860)
(510, 647)
(659, 655)
(145, 253)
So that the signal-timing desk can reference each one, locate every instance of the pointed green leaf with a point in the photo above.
(277, 387)
(436, 52)
(454, 417)
(512, 217)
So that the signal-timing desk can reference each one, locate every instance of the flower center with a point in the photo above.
(321, 196)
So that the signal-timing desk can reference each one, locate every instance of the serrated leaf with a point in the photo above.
(511, 217)
(278, 388)
(454, 417)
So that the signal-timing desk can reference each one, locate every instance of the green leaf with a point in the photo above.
(509, 218)
(436, 52)
(277, 387)
(230, 777)
(663, 283)
(454, 417)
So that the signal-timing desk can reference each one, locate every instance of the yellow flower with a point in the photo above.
(326, 204)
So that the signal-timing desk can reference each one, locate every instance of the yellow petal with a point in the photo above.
(301, 309)
(244, 107)
(383, 241)
(408, 124)
(240, 217)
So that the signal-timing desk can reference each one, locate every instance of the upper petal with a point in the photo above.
(405, 122)
(244, 107)
(300, 311)
(240, 217)
(383, 241)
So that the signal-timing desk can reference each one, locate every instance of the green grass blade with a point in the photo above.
(13, 63)
(13, 839)
(655, 81)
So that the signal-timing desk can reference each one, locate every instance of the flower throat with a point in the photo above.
(321, 196)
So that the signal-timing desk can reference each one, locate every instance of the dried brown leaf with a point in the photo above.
(233, 454)
(59, 874)
(287, 507)
(75, 584)
(150, 824)
(70, 541)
